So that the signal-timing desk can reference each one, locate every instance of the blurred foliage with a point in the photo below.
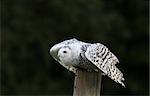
(31, 27)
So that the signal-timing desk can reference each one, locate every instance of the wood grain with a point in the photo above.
(87, 83)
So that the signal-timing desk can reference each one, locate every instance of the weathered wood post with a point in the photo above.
(87, 83)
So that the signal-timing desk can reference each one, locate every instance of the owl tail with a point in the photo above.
(115, 74)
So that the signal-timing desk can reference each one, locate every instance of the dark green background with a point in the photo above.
(31, 27)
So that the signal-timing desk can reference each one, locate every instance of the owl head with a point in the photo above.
(65, 54)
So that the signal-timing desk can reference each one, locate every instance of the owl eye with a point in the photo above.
(64, 51)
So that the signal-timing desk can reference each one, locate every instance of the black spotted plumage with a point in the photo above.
(87, 56)
(98, 52)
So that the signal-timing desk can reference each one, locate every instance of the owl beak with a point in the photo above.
(54, 51)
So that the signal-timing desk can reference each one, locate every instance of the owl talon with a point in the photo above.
(96, 70)
(103, 74)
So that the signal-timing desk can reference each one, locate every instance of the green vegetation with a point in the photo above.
(31, 27)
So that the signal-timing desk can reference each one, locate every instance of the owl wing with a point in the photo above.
(101, 57)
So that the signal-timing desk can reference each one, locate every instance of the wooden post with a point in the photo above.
(87, 83)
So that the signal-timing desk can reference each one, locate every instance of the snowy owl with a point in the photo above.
(74, 54)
